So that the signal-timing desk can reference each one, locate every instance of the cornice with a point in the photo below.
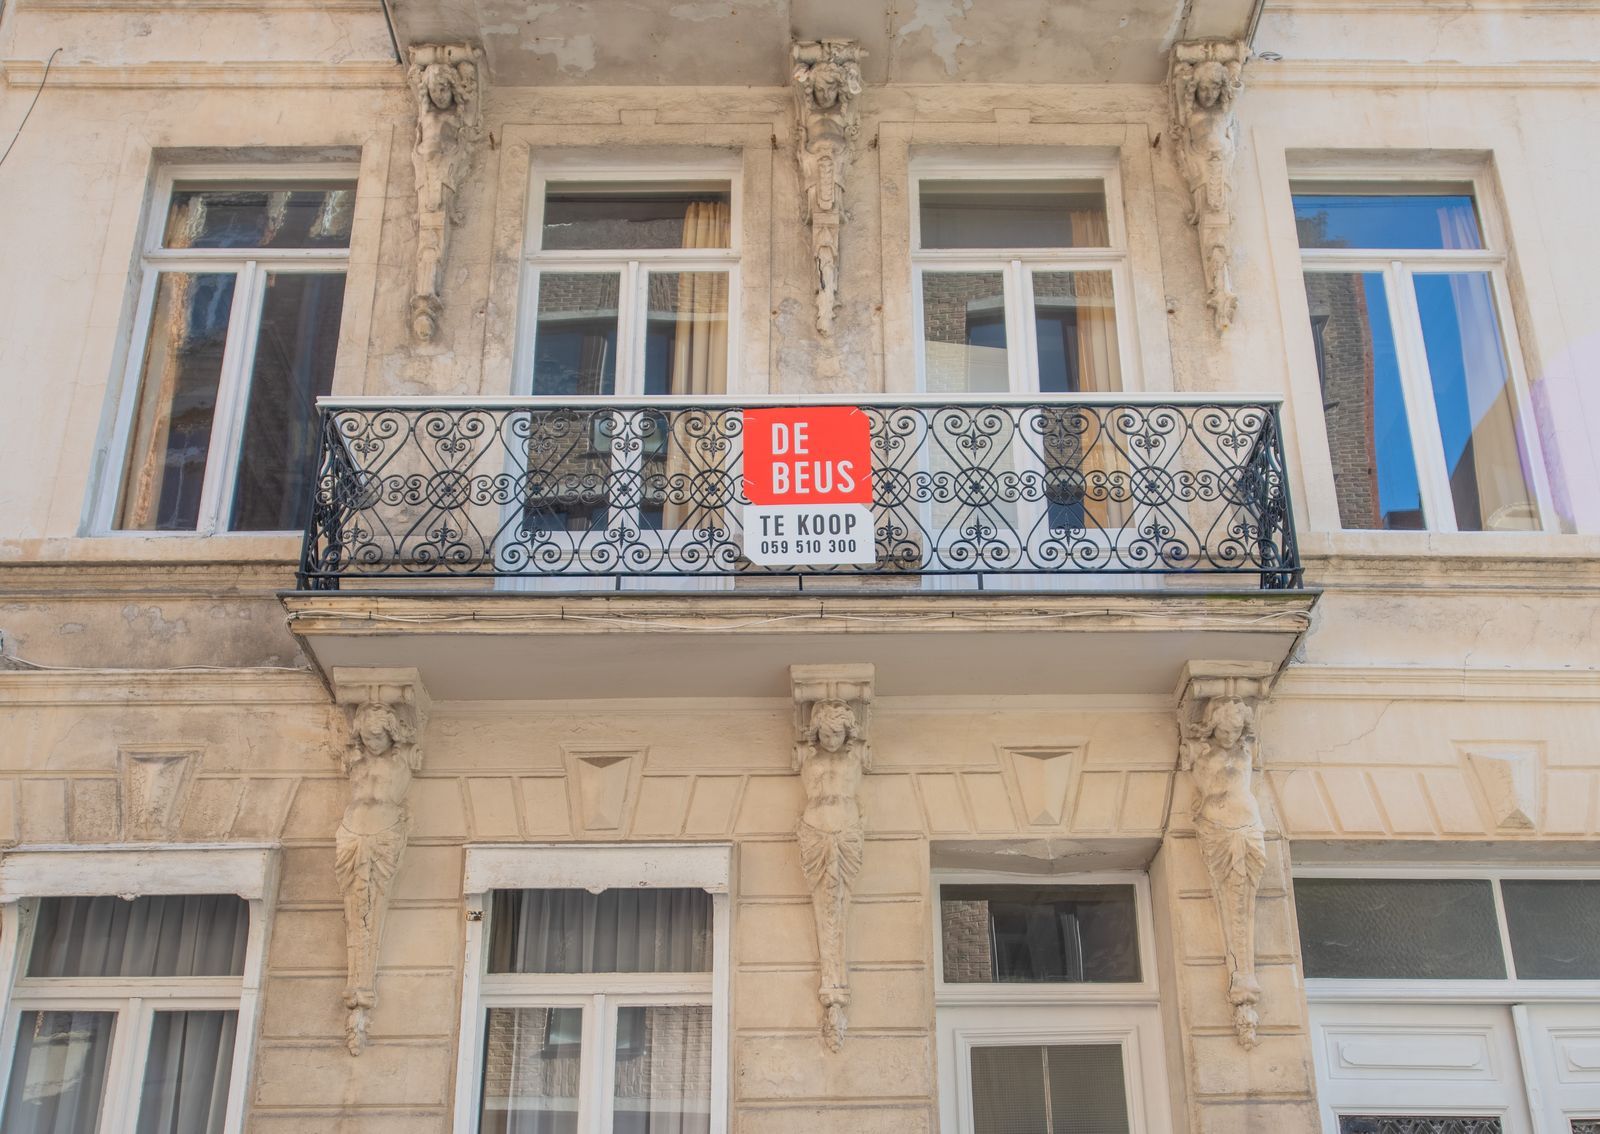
(1401, 73)
(163, 687)
(243, 75)
(1427, 683)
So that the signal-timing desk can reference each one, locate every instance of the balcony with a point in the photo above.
(528, 547)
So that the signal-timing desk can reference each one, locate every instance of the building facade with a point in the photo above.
(1162, 697)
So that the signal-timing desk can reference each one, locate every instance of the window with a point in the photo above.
(1046, 1004)
(595, 1011)
(1427, 413)
(1463, 999)
(238, 325)
(1017, 278)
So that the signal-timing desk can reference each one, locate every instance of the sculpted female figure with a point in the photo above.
(1205, 81)
(830, 833)
(444, 82)
(1219, 754)
(368, 845)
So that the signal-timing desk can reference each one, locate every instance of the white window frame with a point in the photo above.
(1017, 265)
(592, 867)
(28, 874)
(1399, 268)
(633, 265)
(252, 266)
(1028, 1014)
(1511, 993)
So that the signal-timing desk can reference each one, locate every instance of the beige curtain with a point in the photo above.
(699, 356)
(1099, 365)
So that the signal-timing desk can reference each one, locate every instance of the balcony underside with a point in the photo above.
(499, 646)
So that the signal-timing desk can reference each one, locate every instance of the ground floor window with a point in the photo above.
(1047, 1006)
(1453, 1002)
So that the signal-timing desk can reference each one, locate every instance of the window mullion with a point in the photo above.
(130, 1038)
(1017, 323)
(594, 1074)
(232, 396)
(1416, 384)
(1504, 928)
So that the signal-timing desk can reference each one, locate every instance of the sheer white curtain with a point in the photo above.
(615, 931)
(186, 1074)
(58, 1072)
(192, 935)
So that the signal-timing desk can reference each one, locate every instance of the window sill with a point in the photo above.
(1419, 560)
(271, 548)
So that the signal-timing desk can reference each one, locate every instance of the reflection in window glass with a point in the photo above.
(1474, 400)
(270, 216)
(964, 333)
(1050, 934)
(686, 333)
(575, 342)
(178, 384)
(663, 1070)
(615, 931)
(187, 1073)
(1554, 926)
(580, 216)
(295, 348)
(1075, 321)
(531, 1063)
(1399, 928)
(1045, 213)
(58, 1072)
(1059, 1089)
(1369, 435)
(1444, 220)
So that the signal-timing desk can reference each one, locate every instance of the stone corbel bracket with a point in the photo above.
(1217, 747)
(832, 720)
(444, 79)
(827, 80)
(1205, 78)
(386, 710)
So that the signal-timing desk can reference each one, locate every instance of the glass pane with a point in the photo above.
(1473, 396)
(663, 1071)
(575, 340)
(1055, 934)
(668, 215)
(58, 1072)
(1387, 219)
(1075, 322)
(200, 935)
(286, 215)
(1555, 927)
(1586, 1126)
(1060, 1089)
(177, 400)
(964, 329)
(1048, 213)
(531, 1062)
(187, 1073)
(686, 333)
(1399, 928)
(1369, 434)
(1416, 1124)
(568, 460)
(614, 931)
(295, 347)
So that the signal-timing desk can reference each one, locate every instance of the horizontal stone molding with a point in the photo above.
(1427, 683)
(234, 76)
(266, 685)
(1394, 73)
(248, 870)
(587, 866)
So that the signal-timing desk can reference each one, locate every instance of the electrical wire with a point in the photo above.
(43, 79)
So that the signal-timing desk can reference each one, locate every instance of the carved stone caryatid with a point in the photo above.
(444, 79)
(1217, 719)
(387, 710)
(1205, 79)
(827, 79)
(833, 704)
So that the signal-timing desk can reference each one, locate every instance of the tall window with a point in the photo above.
(1046, 999)
(238, 326)
(595, 1012)
(124, 1016)
(628, 284)
(1427, 414)
(1457, 1000)
(1017, 280)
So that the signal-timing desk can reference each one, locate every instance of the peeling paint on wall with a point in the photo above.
(573, 56)
(935, 17)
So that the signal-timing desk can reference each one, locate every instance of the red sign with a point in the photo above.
(807, 455)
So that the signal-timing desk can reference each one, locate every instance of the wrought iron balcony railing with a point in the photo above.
(1049, 486)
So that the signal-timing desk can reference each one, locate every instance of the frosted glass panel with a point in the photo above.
(1416, 1124)
(1053, 934)
(1398, 928)
(663, 1070)
(1059, 1089)
(531, 1061)
(58, 1072)
(1555, 928)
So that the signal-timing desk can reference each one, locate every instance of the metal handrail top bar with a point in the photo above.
(1022, 401)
